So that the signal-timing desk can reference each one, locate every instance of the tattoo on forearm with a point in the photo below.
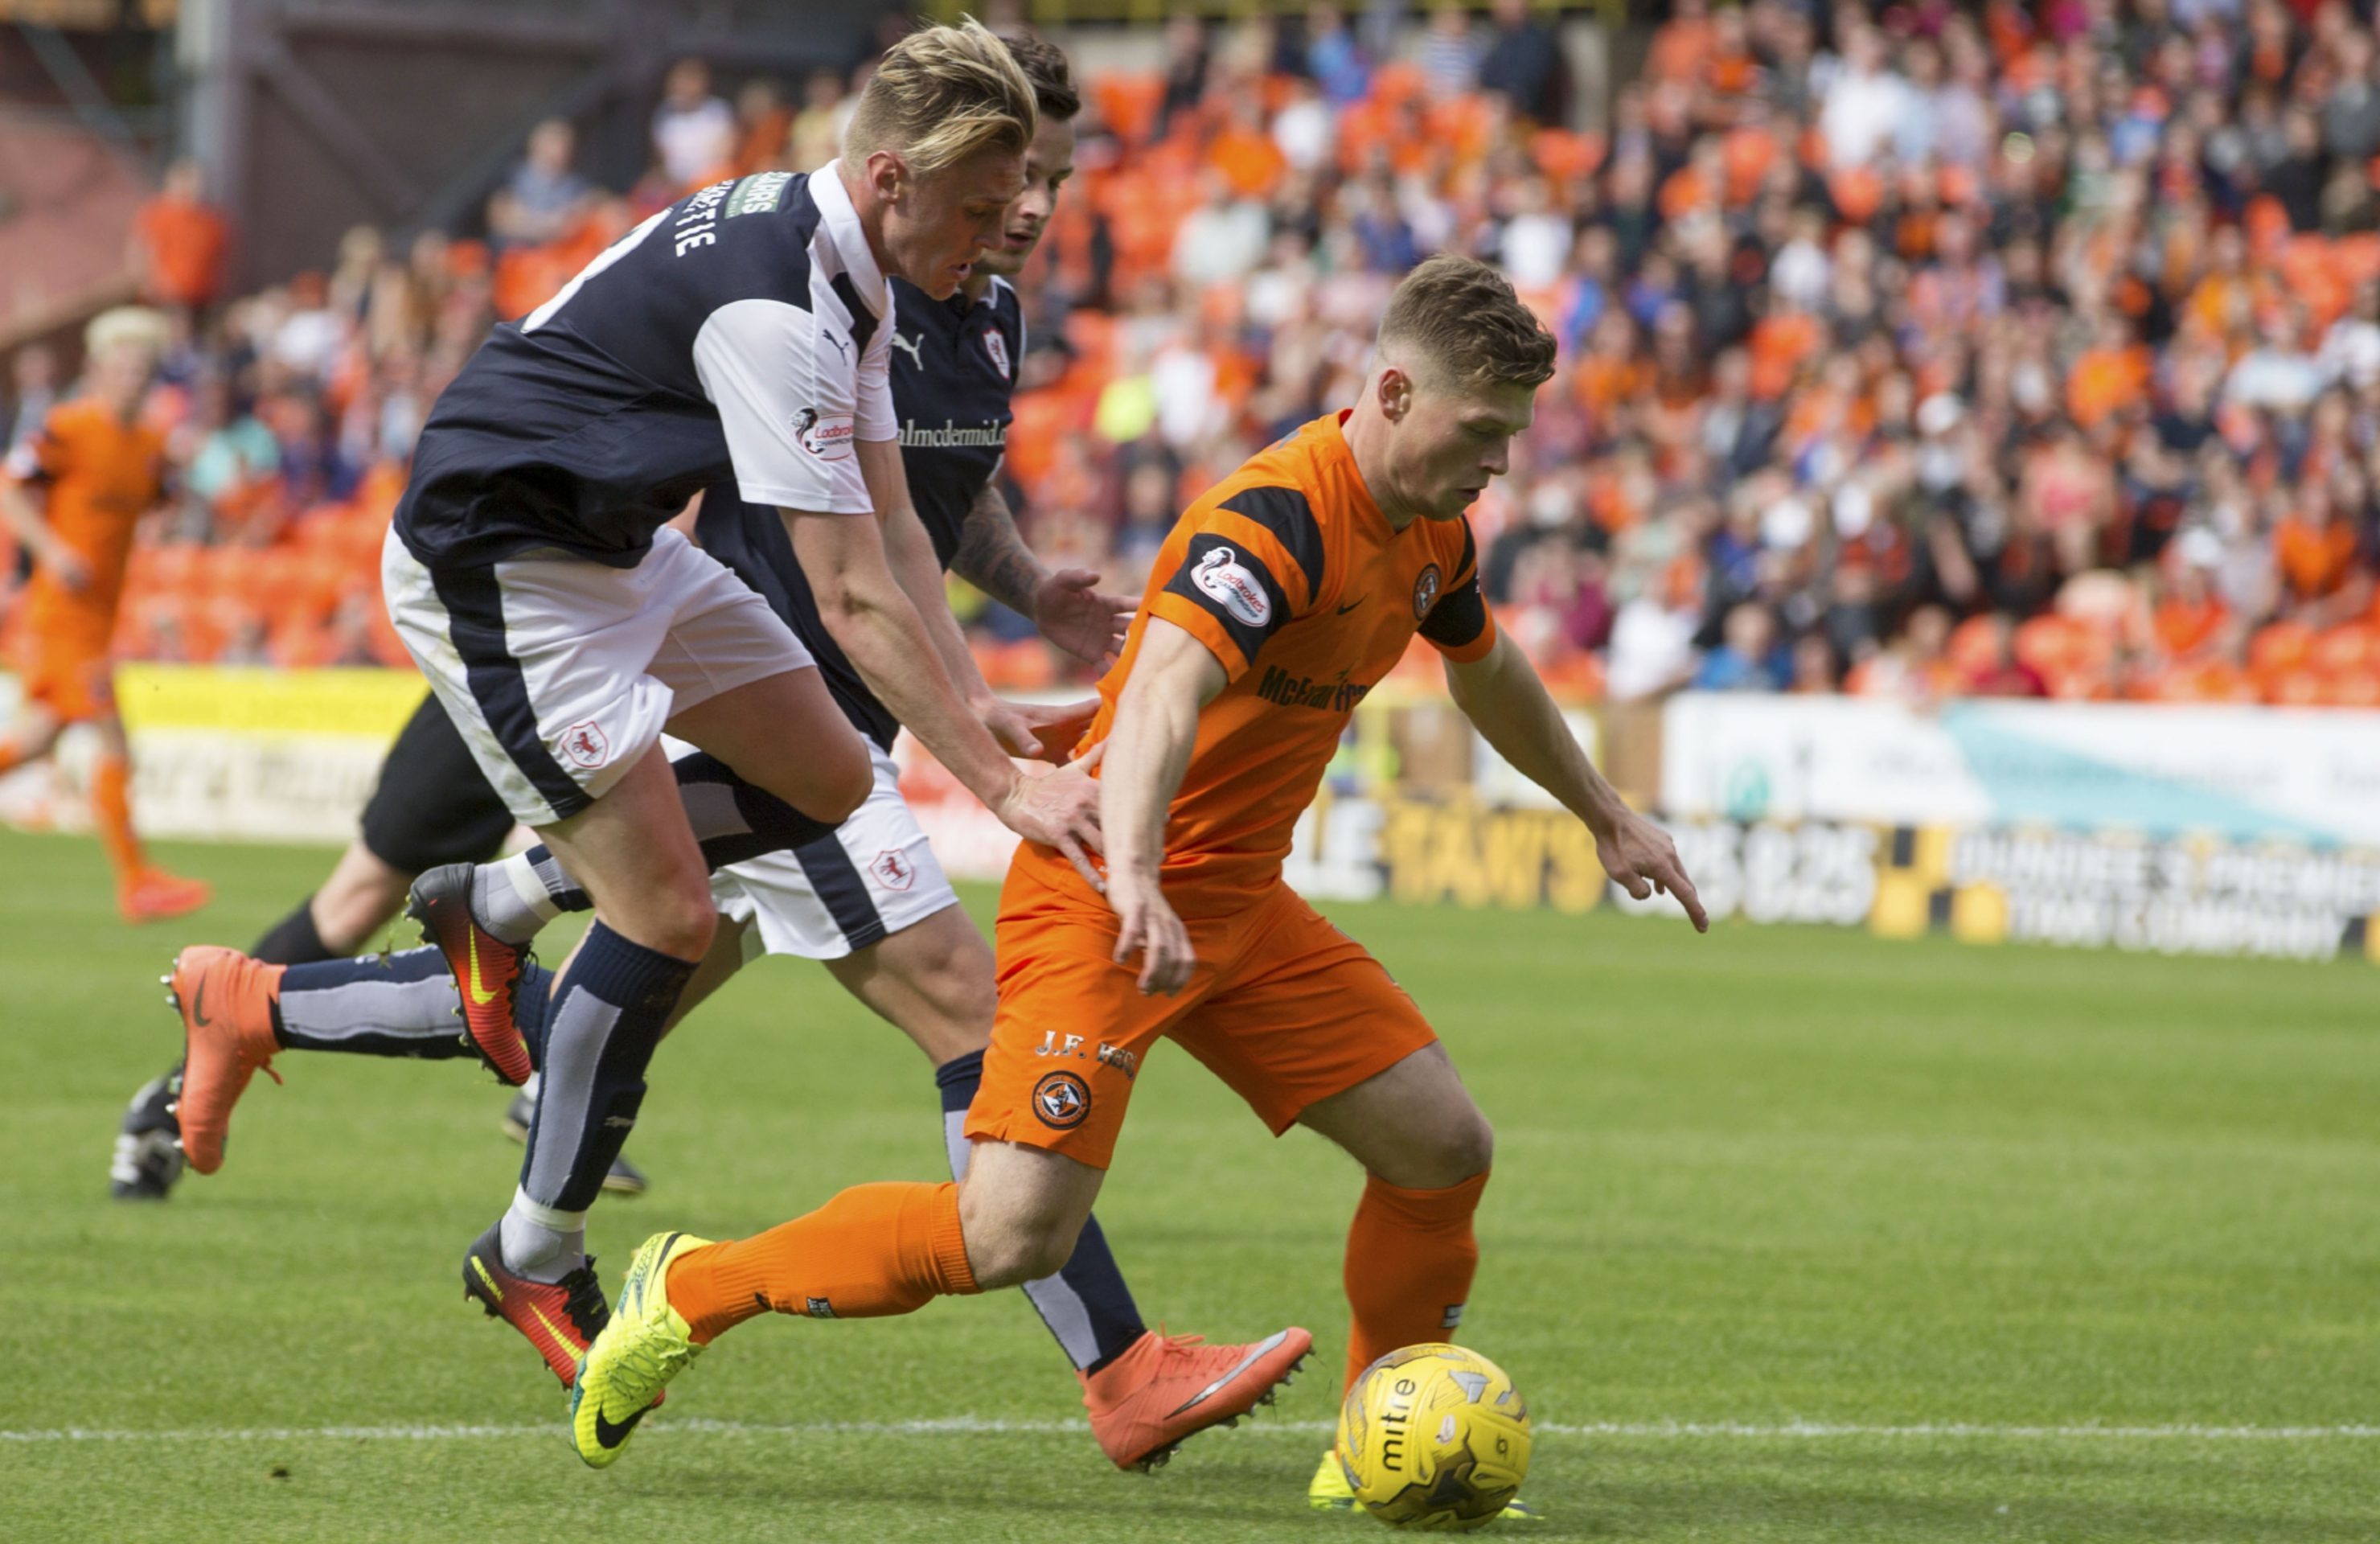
(993, 558)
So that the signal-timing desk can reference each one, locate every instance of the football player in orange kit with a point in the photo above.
(1280, 597)
(104, 470)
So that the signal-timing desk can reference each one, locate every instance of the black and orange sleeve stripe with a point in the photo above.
(1253, 564)
(1460, 625)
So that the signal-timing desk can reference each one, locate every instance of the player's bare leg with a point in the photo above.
(142, 893)
(784, 733)
(36, 735)
(932, 980)
(358, 899)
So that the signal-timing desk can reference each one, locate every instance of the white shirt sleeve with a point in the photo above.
(877, 420)
(785, 389)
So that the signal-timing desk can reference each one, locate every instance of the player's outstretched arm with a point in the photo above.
(873, 621)
(1046, 733)
(1500, 693)
(1148, 749)
(1067, 605)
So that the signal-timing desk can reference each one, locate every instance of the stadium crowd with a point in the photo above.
(2019, 349)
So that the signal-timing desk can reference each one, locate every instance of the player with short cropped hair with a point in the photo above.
(1280, 600)
(102, 469)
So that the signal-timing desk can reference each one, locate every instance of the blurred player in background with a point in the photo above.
(102, 469)
(1276, 603)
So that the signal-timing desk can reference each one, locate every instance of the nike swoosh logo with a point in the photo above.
(607, 1435)
(480, 996)
(1350, 606)
(199, 1005)
(1255, 1353)
(555, 1330)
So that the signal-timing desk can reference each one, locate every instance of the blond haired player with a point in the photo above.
(102, 469)
(739, 337)
(1280, 600)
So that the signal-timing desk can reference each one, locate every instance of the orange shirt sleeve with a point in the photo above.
(1252, 563)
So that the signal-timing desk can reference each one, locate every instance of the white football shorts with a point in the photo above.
(560, 672)
(874, 876)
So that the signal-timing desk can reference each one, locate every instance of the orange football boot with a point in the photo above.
(1167, 1389)
(226, 1000)
(154, 896)
(487, 970)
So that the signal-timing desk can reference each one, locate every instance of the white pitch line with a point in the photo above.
(973, 1424)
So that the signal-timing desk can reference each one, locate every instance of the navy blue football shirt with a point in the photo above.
(953, 374)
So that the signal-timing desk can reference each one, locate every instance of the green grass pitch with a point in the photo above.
(1795, 1235)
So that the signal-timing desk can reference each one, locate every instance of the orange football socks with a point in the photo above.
(873, 1250)
(1411, 1255)
(111, 804)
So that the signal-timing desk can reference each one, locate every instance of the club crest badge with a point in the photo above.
(1425, 591)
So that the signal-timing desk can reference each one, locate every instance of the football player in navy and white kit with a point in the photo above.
(871, 900)
(738, 336)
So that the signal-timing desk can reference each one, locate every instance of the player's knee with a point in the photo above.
(845, 779)
(1007, 1257)
(1009, 1243)
(1463, 1148)
(678, 918)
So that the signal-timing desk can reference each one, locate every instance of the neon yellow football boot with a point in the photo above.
(646, 1344)
(1329, 1491)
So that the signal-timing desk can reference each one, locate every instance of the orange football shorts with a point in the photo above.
(67, 671)
(1282, 1006)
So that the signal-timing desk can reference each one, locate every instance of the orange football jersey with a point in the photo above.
(103, 475)
(1289, 572)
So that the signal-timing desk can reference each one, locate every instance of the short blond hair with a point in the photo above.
(1459, 318)
(134, 326)
(941, 94)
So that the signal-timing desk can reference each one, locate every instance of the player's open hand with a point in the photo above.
(1147, 924)
(1060, 808)
(1040, 731)
(1641, 857)
(1075, 615)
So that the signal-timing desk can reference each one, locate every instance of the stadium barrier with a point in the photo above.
(2180, 829)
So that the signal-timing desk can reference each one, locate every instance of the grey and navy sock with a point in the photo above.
(1087, 1306)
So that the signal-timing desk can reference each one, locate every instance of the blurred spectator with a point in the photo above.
(1746, 659)
(1997, 672)
(181, 244)
(1524, 63)
(817, 134)
(1222, 239)
(2010, 349)
(763, 124)
(1334, 58)
(1450, 54)
(694, 131)
(545, 197)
